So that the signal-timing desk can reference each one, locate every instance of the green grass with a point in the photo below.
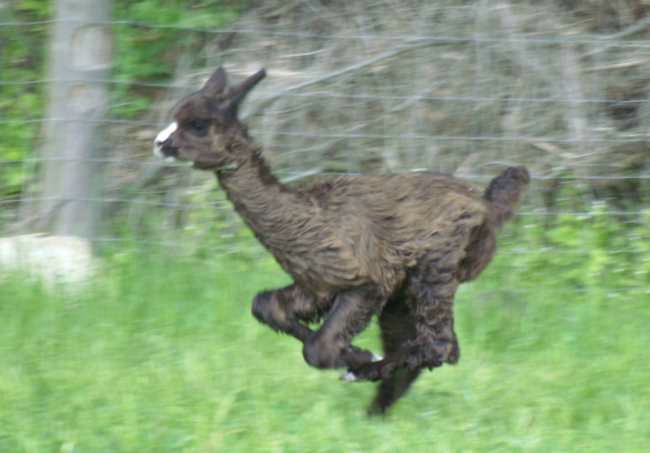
(162, 354)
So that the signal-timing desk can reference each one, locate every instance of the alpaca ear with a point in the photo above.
(216, 84)
(238, 94)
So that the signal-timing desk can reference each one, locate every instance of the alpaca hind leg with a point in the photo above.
(431, 288)
(391, 389)
(397, 326)
(330, 347)
(436, 342)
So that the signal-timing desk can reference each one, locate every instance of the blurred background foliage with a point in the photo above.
(150, 54)
(23, 51)
(140, 54)
(156, 42)
(560, 86)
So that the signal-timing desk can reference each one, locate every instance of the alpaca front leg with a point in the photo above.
(286, 309)
(330, 347)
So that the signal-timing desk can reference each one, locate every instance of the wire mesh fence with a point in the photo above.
(375, 87)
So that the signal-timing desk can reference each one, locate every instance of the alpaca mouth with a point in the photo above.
(169, 153)
(165, 152)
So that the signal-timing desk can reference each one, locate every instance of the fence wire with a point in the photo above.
(465, 90)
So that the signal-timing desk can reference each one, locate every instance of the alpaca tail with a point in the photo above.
(505, 191)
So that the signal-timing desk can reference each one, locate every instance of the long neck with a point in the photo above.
(275, 213)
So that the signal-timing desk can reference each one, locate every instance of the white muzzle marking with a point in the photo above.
(162, 138)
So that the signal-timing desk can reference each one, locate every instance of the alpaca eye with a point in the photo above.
(199, 126)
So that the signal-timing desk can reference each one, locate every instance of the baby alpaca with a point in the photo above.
(394, 246)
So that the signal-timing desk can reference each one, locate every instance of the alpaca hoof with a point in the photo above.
(374, 371)
(349, 376)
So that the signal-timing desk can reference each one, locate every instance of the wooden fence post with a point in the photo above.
(80, 61)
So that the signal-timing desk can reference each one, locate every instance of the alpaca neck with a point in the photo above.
(274, 212)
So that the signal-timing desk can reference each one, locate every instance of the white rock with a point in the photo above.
(56, 260)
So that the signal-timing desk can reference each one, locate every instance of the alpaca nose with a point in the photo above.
(162, 144)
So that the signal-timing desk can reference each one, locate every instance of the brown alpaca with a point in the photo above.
(357, 246)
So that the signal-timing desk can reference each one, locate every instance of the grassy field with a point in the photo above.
(161, 354)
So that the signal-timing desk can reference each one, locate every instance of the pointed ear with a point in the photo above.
(216, 84)
(238, 94)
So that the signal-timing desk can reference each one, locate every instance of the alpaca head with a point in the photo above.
(205, 122)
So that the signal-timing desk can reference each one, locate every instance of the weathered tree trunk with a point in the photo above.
(80, 59)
